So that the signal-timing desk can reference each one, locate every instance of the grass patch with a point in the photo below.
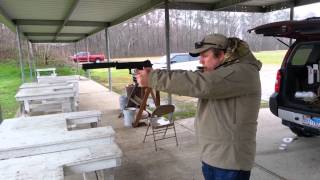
(185, 110)
(10, 80)
(264, 104)
(120, 78)
(270, 57)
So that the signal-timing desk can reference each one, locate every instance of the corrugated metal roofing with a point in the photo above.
(262, 3)
(73, 20)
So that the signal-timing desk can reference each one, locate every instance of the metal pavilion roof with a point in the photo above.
(73, 20)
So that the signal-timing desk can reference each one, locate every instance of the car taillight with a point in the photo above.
(278, 82)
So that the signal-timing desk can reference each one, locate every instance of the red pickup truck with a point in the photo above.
(83, 57)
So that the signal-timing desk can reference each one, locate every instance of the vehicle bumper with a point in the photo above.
(273, 104)
(296, 119)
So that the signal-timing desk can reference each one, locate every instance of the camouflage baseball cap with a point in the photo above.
(217, 41)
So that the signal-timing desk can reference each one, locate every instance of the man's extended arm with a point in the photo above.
(221, 83)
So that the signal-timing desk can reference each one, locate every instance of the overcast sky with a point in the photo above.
(303, 12)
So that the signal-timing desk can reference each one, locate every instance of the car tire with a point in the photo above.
(301, 132)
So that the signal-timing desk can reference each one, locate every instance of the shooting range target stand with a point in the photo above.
(142, 103)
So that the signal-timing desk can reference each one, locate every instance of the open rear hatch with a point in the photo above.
(300, 75)
(303, 29)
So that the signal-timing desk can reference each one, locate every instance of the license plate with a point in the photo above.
(312, 122)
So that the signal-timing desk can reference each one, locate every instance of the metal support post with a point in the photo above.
(20, 54)
(34, 66)
(291, 18)
(30, 62)
(77, 61)
(88, 60)
(167, 34)
(108, 56)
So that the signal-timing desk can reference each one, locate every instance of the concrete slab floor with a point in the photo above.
(299, 160)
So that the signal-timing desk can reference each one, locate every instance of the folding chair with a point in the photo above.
(160, 124)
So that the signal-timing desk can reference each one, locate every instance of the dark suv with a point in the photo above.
(296, 99)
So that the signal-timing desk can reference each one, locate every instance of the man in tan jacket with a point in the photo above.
(229, 93)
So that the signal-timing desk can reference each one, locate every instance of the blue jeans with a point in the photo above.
(214, 173)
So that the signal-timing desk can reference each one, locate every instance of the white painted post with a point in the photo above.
(76, 51)
(34, 66)
(167, 34)
(88, 60)
(291, 18)
(30, 62)
(108, 56)
(20, 54)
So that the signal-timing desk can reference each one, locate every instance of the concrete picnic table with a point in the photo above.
(45, 97)
(42, 85)
(46, 147)
(58, 79)
(38, 134)
(55, 166)
(52, 70)
(75, 84)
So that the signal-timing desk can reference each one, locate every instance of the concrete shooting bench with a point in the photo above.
(33, 85)
(58, 98)
(48, 147)
(101, 158)
(52, 72)
(58, 79)
(61, 79)
(42, 85)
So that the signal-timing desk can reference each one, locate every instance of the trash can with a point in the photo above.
(129, 115)
(123, 102)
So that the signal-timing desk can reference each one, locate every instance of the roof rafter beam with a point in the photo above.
(305, 2)
(53, 34)
(59, 22)
(138, 11)
(209, 7)
(219, 6)
(279, 6)
(50, 41)
(190, 6)
(244, 8)
(4, 17)
(66, 19)
(87, 23)
(37, 22)
(288, 4)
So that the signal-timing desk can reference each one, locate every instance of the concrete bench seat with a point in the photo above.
(58, 79)
(54, 85)
(43, 85)
(65, 95)
(50, 72)
(57, 165)
(27, 136)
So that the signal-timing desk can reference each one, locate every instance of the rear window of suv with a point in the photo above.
(306, 54)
